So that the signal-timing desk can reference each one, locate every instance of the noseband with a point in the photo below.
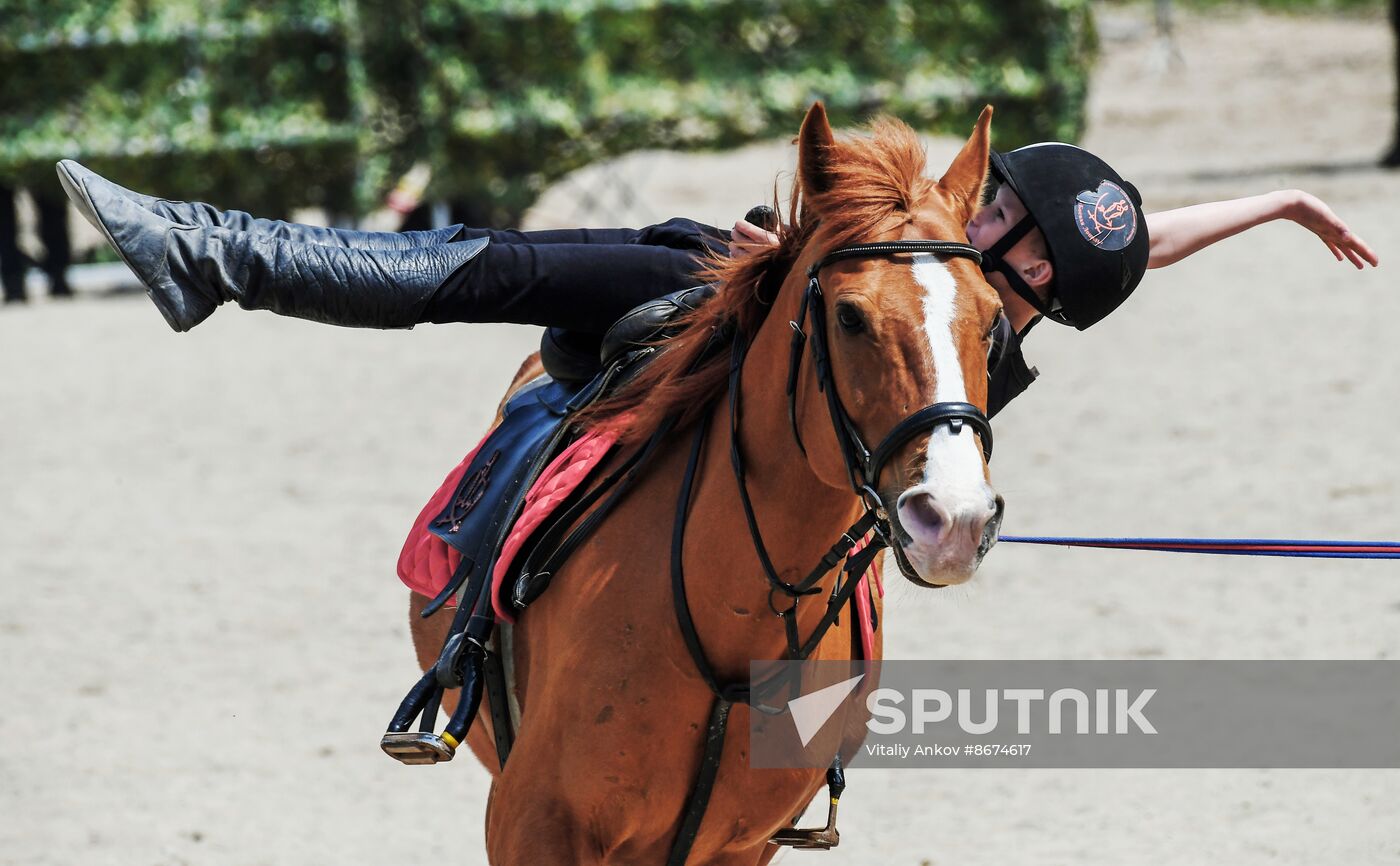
(864, 466)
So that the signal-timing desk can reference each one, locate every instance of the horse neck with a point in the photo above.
(799, 515)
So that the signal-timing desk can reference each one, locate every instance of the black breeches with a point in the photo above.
(579, 279)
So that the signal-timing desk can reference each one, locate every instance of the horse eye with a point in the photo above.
(849, 318)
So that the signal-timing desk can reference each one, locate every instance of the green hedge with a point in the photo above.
(1309, 6)
(275, 103)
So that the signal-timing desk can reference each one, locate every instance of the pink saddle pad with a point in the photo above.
(560, 478)
(427, 563)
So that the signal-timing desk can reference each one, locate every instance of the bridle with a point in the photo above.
(863, 467)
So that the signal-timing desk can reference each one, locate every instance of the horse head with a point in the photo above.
(899, 334)
(903, 331)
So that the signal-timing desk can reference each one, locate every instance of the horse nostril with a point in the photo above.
(921, 516)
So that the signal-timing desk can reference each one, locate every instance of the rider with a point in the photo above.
(1064, 237)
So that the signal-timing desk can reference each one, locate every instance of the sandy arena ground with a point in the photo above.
(202, 636)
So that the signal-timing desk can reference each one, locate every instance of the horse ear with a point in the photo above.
(964, 179)
(814, 150)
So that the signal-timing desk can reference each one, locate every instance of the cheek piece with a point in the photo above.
(1002, 339)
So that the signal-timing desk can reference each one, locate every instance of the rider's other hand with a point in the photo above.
(1313, 214)
(748, 238)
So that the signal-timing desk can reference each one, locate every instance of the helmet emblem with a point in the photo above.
(1106, 216)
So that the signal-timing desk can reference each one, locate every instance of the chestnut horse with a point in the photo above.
(613, 710)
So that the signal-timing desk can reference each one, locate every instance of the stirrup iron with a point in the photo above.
(417, 747)
(459, 666)
(818, 838)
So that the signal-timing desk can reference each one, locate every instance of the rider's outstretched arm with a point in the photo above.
(1176, 234)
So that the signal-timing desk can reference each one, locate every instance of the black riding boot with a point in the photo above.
(189, 271)
(75, 178)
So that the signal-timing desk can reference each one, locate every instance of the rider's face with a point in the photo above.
(996, 219)
(987, 227)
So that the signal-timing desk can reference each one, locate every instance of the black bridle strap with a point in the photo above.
(813, 294)
(829, 560)
(736, 460)
(853, 450)
(679, 602)
(799, 343)
(995, 261)
(854, 568)
(885, 248)
(862, 465)
(927, 418)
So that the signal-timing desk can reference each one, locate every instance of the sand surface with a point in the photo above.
(201, 636)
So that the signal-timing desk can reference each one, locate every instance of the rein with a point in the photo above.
(1227, 546)
(863, 467)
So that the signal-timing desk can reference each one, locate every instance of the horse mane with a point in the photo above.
(873, 180)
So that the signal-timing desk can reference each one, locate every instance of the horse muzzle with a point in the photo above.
(941, 539)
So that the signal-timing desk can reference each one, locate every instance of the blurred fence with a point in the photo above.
(280, 103)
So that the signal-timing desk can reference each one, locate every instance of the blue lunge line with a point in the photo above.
(1227, 546)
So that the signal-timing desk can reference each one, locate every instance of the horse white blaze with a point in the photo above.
(954, 493)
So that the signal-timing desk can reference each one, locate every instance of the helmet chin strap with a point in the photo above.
(993, 261)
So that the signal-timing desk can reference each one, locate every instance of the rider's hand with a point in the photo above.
(1313, 214)
(748, 238)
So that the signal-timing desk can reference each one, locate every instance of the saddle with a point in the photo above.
(512, 497)
(485, 497)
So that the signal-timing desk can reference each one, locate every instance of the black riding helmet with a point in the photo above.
(1093, 225)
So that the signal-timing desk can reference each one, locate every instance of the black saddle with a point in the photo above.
(573, 356)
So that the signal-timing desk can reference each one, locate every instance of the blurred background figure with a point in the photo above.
(1392, 159)
(51, 225)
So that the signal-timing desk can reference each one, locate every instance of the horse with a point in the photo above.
(613, 708)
